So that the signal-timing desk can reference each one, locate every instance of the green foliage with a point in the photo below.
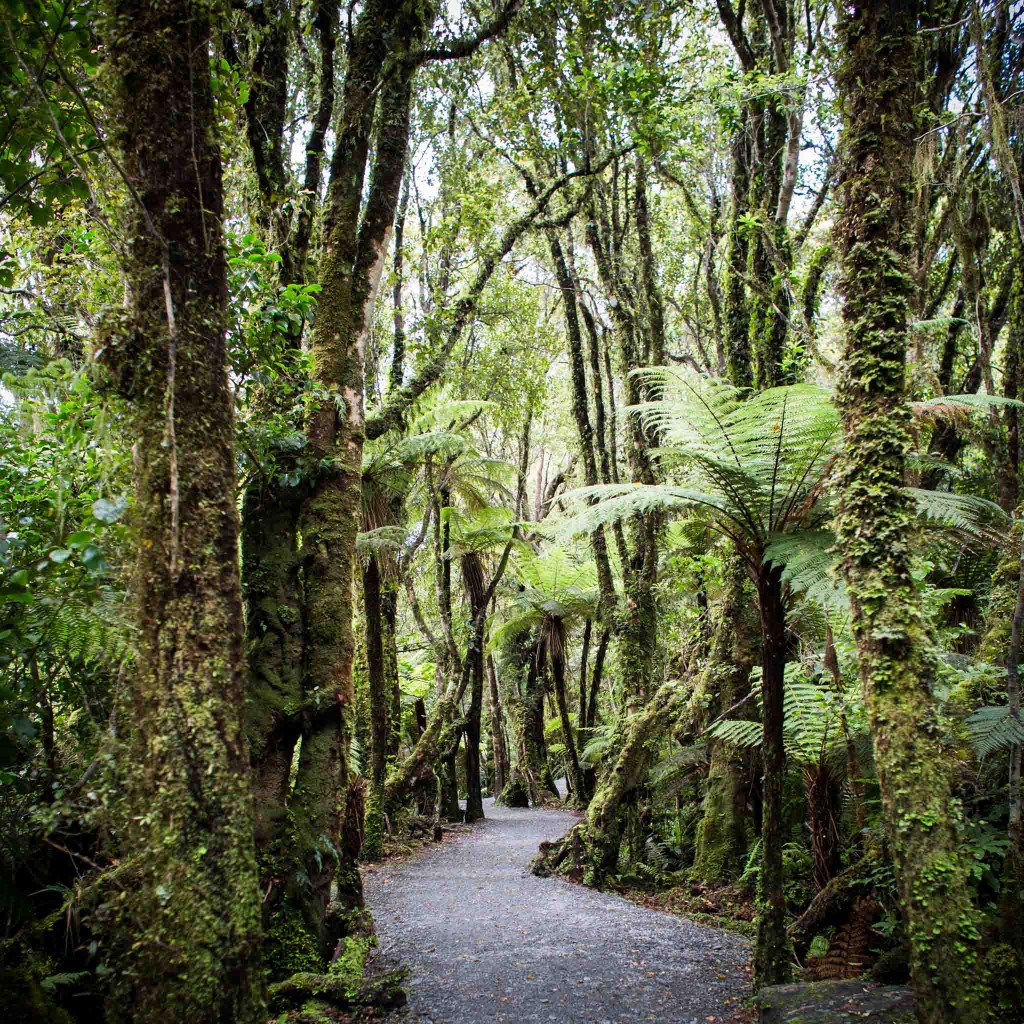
(817, 725)
(49, 57)
(753, 467)
(992, 729)
(555, 585)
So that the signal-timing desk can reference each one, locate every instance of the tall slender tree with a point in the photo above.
(880, 95)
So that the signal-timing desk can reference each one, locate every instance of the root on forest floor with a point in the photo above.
(385, 990)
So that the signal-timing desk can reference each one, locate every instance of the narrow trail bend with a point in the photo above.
(486, 941)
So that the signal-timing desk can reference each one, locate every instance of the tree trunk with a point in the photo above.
(721, 840)
(821, 791)
(189, 928)
(771, 951)
(355, 241)
(498, 744)
(379, 698)
(392, 682)
(473, 578)
(879, 94)
(590, 851)
(273, 615)
(572, 761)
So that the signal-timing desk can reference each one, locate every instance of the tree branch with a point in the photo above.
(390, 415)
(466, 46)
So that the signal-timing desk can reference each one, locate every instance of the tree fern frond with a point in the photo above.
(740, 732)
(994, 728)
(976, 519)
(809, 566)
(385, 538)
(616, 502)
(959, 406)
(603, 740)
(449, 414)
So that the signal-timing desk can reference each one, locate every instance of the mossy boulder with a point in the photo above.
(836, 1002)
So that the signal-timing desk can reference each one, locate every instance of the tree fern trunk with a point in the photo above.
(771, 953)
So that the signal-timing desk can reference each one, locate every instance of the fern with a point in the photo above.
(809, 566)
(974, 519)
(671, 771)
(751, 466)
(555, 585)
(812, 723)
(947, 405)
(603, 740)
(994, 728)
(384, 538)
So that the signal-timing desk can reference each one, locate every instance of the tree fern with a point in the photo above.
(975, 519)
(752, 466)
(808, 561)
(812, 724)
(994, 728)
(554, 584)
(383, 539)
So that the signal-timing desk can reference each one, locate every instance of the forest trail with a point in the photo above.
(486, 941)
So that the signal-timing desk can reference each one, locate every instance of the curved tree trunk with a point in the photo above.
(590, 851)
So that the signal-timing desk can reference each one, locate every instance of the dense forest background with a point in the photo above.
(406, 403)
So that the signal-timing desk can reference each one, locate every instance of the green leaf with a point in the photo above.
(109, 511)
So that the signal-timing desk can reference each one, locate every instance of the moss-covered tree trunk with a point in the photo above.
(189, 925)
(525, 701)
(556, 655)
(275, 698)
(499, 745)
(590, 851)
(722, 835)
(879, 94)
(355, 239)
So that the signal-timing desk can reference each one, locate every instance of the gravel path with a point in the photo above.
(486, 941)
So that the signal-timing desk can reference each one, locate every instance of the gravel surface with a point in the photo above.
(486, 941)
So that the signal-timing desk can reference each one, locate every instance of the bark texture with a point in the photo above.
(189, 927)
(879, 94)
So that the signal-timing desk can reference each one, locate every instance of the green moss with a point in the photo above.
(352, 960)
(290, 947)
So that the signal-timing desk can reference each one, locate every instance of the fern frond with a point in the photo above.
(959, 406)
(809, 566)
(385, 538)
(445, 415)
(975, 519)
(739, 732)
(994, 728)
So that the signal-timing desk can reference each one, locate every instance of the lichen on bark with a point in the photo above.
(879, 94)
(186, 937)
